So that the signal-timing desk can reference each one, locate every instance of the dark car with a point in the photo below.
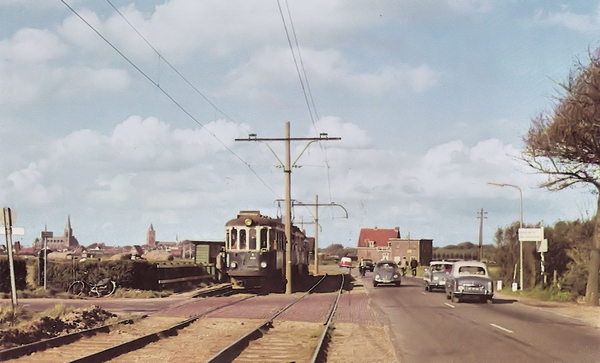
(369, 265)
(434, 276)
(386, 272)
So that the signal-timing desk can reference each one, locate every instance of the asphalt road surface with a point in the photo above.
(426, 327)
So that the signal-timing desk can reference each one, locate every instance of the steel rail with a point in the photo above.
(233, 350)
(138, 343)
(320, 354)
(26, 349)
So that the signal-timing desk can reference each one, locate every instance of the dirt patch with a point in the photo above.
(47, 327)
(359, 343)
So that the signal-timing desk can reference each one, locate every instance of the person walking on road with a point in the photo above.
(403, 265)
(413, 266)
(362, 267)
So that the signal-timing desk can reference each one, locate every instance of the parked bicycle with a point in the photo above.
(102, 288)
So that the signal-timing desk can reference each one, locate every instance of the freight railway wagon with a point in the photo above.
(255, 248)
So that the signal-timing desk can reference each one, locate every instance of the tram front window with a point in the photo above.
(234, 239)
(243, 242)
(263, 238)
(252, 239)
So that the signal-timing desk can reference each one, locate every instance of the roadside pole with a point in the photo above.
(530, 235)
(317, 205)
(287, 170)
(7, 221)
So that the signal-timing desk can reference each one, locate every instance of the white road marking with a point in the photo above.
(501, 328)
(423, 293)
(450, 305)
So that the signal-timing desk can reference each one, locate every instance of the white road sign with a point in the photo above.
(16, 231)
(531, 234)
(542, 246)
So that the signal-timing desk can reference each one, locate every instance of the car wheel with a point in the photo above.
(426, 287)
(374, 284)
(398, 284)
(447, 295)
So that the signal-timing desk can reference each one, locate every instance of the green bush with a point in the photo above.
(20, 274)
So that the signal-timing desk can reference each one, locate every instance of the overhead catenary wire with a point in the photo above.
(303, 78)
(164, 92)
(160, 56)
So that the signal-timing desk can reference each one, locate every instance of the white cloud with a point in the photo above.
(31, 46)
(578, 22)
(352, 136)
(329, 69)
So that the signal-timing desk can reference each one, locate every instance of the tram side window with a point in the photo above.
(252, 245)
(280, 238)
(264, 237)
(243, 241)
(234, 239)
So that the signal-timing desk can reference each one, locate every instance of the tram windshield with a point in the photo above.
(247, 238)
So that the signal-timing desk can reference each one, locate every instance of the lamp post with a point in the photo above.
(520, 226)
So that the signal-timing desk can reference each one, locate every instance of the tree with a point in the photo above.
(564, 144)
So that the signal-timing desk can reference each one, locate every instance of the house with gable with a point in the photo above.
(387, 244)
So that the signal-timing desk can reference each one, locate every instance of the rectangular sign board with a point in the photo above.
(531, 234)
(16, 231)
(542, 246)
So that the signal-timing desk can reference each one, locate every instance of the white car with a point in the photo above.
(469, 279)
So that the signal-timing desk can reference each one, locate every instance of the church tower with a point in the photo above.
(151, 237)
(69, 240)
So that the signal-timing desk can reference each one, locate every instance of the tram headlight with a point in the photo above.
(233, 265)
(263, 264)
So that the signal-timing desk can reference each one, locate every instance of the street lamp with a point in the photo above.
(520, 226)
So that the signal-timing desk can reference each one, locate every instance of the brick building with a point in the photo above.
(385, 243)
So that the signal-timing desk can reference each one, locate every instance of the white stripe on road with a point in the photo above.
(501, 328)
(450, 305)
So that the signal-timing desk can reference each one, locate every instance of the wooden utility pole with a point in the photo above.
(317, 205)
(7, 221)
(480, 247)
(287, 169)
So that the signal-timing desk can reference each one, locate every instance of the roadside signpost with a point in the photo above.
(533, 235)
(8, 217)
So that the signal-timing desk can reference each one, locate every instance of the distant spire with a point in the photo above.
(151, 227)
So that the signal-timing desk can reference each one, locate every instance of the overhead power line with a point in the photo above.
(157, 85)
(160, 56)
(303, 78)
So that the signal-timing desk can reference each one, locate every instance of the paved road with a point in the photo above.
(426, 327)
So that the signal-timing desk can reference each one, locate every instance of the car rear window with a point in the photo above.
(471, 270)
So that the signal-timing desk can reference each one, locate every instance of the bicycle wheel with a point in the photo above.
(76, 288)
(112, 287)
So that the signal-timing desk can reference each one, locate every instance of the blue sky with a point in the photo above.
(431, 100)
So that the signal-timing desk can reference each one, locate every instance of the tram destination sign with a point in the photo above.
(531, 234)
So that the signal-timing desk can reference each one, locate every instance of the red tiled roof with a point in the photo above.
(379, 235)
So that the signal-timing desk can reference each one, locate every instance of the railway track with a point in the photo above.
(275, 341)
(107, 341)
(202, 337)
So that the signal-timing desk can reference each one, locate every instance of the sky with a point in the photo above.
(122, 114)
